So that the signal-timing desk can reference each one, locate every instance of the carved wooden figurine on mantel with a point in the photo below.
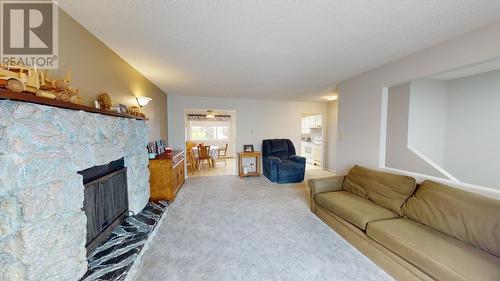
(25, 79)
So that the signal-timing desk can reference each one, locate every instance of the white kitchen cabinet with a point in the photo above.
(314, 121)
(317, 121)
(305, 125)
(311, 122)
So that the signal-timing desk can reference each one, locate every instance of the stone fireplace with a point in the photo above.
(42, 149)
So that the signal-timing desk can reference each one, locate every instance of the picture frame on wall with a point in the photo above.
(248, 148)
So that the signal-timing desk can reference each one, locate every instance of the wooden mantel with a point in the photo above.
(29, 97)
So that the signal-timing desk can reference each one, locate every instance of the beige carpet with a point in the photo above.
(227, 228)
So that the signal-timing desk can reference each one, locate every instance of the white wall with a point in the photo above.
(331, 145)
(473, 131)
(360, 97)
(397, 153)
(456, 124)
(427, 117)
(96, 68)
(256, 119)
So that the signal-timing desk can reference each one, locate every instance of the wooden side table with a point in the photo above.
(257, 155)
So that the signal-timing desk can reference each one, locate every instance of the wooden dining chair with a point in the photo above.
(191, 160)
(222, 155)
(190, 145)
(204, 154)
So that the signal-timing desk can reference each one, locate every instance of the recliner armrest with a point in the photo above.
(298, 159)
(322, 185)
(272, 160)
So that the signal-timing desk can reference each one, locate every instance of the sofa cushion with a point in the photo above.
(439, 255)
(352, 208)
(386, 189)
(469, 217)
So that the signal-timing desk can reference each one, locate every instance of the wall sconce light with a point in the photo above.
(331, 98)
(210, 114)
(142, 101)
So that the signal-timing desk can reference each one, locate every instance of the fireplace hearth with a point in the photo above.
(115, 259)
(105, 201)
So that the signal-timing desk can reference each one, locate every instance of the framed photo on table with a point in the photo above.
(248, 148)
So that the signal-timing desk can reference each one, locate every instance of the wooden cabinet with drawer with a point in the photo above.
(166, 176)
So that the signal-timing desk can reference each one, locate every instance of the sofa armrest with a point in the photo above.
(325, 184)
(298, 159)
(322, 185)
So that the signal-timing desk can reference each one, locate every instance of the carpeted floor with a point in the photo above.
(227, 228)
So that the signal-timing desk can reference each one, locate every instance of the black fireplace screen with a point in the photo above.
(105, 202)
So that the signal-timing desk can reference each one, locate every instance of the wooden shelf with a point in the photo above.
(31, 98)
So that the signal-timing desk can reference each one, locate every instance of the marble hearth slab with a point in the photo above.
(115, 257)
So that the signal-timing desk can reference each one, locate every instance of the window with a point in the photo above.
(209, 132)
(222, 133)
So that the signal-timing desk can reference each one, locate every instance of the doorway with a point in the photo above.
(210, 136)
(312, 135)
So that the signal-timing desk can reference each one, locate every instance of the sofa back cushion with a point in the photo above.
(467, 216)
(386, 189)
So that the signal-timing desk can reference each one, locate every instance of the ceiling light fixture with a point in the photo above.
(210, 114)
(331, 98)
(142, 101)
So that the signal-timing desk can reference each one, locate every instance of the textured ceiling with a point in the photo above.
(271, 49)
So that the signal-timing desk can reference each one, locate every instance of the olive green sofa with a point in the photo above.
(414, 232)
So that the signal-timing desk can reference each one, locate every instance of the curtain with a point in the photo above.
(202, 117)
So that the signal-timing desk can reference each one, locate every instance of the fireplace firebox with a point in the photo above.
(105, 200)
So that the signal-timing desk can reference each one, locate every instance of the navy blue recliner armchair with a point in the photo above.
(280, 163)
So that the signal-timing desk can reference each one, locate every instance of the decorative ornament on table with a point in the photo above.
(104, 101)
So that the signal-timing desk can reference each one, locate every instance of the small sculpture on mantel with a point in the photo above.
(136, 111)
(61, 89)
(104, 101)
(18, 78)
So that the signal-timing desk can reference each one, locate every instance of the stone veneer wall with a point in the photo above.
(42, 227)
